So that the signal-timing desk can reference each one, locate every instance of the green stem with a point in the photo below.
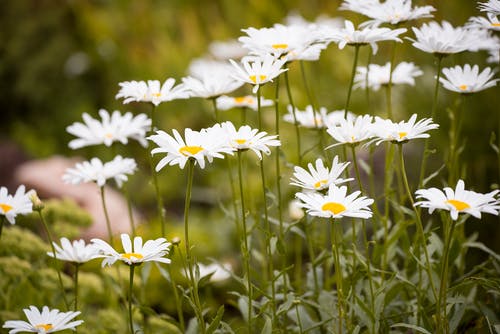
(312, 256)
(295, 122)
(353, 73)
(178, 304)
(129, 210)
(442, 297)
(2, 221)
(216, 110)
(389, 158)
(130, 291)
(106, 215)
(338, 276)
(456, 125)
(159, 199)
(77, 269)
(389, 84)
(299, 321)
(367, 87)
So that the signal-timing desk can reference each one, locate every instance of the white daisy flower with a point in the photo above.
(442, 39)
(321, 119)
(199, 145)
(352, 131)
(151, 251)
(76, 251)
(494, 57)
(225, 102)
(320, 21)
(225, 50)
(258, 70)
(379, 75)
(295, 210)
(116, 127)
(485, 40)
(336, 203)
(218, 272)
(319, 177)
(95, 171)
(467, 79)
(246, 138)
(349, 35)
(458, 201)
(492, 7)
(490, 22)
(387, 130)
(19, 204)
(151, 91)
(46, 321)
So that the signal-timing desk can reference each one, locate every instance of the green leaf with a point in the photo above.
(216, 321)
(417, 328)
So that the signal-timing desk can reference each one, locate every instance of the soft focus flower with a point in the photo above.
(442, 39)
(492, 7)
(198, 145)
(258, 70)
(218, 272)
(19, 204)
(336, 203)
(349, 35)
(225, 50)
(295, 210)
(246, 138)
(152, 91)
(403, 73)
(116, 127)
(319, 177)
(387, 130)
(485, 40)
(151, 251)
(322, 20)
(494, 56)
(77, 251)
(321, 119)
(458, 201)
(490, 23)
(467, 79)
(352, 131)
(248, 101)
(47, 321)
(95, 171)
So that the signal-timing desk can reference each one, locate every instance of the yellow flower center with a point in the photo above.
(240, 141)
(5, 207)
(402, 134)
(459, 205)
(190, 150)
(108, 135)
(243, 99)
(319, 183)
(45, 327)
(495, 25)
(279, 46)
(333, 207)
(261, 78)
(156, 94)
(463, 87)
(130, 255)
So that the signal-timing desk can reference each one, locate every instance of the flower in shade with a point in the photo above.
(246, 138)
(258, 70)
(458, 201)
(467, 79)
(98, 172)
(387, 130)
(46, 321)
(319, 119)
(248, 101)
(403, 73)
(19, 204)
(352, 131)
(319, 177)
(114, 127)
(485, 40)
(336, 203)
(151, 91)
(224, 50)
(442, 39)
(76, 251)
(133, 254)
(492, 7)
(218, 272)
(207, 144)
(490, 22)
(349, 35)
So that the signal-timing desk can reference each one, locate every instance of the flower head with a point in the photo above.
(11, 206)
(458, 201)
(151, 251)
(246, 138)
(336, 203)
(46, 321)
(467, 79)
(116, 127)
(218, 272)
(492, 7)
(225, 50)
(319, 177)
(95, 171)
(352, 131)
(248, 101)
(151, 91)
(319, 119)
(387, 130)
(490, 22)
(258, 70)
(77, 251)
(403, 73)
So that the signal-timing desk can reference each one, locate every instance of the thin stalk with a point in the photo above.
(442, 297)
(456, 125)
(75, 281)
(129, 210)
(389, 84)
(353, 73)
(338, 276)
(2, 221)
(312, 256)
(295, 122)
(130, 291)
(299, 321)
(106, 215)
(178, 304)
(216, 110)
(389, 157)
(367, 87)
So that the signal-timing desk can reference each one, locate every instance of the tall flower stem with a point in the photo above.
(75, 281)
(130, 291)
(389, 84)
(351, 83)
(129, 210)
(338, 276)
(295, 122)
(367, 87)
(244, 245)
(216, 110)
(389, 158)
(106, 216)
(455, 129)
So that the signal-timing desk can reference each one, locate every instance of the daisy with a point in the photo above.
(258, 70)
(387, 130)
(442, 39)
(47, 321)
(198, 145)
(95, 171)
(151, 251)
(349, 35)
(225, 50)
(225, 102)
(112, 128)
(467, 80)
(485, 40)
(295, 210)
(11, 206)
(319, 177)
(246, 138)
(492, 7)
(336, 203)
(458, 201)
(218, 272)
(352, 131)
(403, 73)
(151, 91)
(494, 57)
(479, 22)
(76, 252)
(319, 119)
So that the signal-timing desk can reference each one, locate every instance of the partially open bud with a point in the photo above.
(37, 202)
